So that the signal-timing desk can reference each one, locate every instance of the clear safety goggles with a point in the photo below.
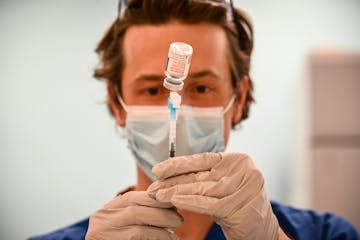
(122, 5)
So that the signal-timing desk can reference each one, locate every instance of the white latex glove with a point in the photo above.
(226, 186)
(134, 216)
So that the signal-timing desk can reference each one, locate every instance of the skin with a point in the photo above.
(208, 84)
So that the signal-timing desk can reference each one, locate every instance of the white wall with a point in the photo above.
(60, 156)
(285, 33)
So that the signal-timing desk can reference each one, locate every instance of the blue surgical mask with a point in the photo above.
(199, 129)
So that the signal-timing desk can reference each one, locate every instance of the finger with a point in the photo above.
(138, 215)
(148, 233)
(132, 198)
(224, 185)
(218, 200)
(182, 179)
(186, 164)
(130, 232)
(195, 203)
(219, 189)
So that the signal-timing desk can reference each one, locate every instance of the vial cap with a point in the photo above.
(181, 48)
(172, 86)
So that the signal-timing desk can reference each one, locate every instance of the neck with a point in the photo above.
(195, 226)
(143, 182)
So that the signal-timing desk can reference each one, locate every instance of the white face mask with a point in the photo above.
(199, 129)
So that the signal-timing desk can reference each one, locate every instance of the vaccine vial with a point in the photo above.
(177, 65)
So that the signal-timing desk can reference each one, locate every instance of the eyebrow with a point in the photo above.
(204, 73)
(148, 77)
(157, 78)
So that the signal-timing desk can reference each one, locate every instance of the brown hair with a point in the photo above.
(139, 12)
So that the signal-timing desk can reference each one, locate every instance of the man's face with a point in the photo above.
(208, 83)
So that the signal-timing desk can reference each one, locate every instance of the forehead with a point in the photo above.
(146, 46)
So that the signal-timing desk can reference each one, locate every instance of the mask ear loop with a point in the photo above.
(121, 132)
(121, 101)
(230, 104)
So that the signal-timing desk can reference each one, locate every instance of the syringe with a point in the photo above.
(176, 70)
(174, 101)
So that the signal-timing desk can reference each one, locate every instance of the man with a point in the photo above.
(204, 193)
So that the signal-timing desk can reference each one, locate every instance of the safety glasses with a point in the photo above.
(228, 4)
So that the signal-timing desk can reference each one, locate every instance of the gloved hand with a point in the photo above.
(226, 186)
(134, 215)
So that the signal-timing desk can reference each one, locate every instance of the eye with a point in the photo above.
(202, 89)
(153, 91)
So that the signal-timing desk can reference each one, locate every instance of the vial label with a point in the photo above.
(178, 61)
(177, 64)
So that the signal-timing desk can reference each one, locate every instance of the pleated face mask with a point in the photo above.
(199, 130)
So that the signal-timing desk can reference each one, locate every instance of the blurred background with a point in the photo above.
(61, 157)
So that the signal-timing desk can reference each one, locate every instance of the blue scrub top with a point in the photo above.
(296, 223)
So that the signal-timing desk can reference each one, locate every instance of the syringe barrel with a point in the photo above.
(172, 137)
